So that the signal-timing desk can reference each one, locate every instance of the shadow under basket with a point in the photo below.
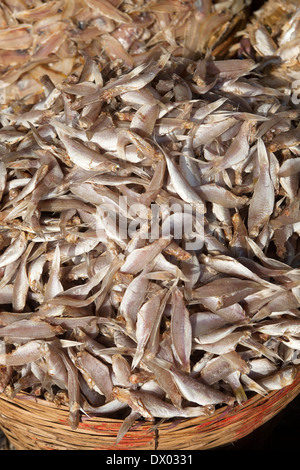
(32, 423)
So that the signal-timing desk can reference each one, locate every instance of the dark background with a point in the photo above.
(278, 434)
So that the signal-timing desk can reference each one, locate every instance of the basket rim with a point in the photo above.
(259, 408)
(22, 398)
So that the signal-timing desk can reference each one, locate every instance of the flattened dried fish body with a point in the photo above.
(6, 318)
(285, 140)
(98, 372)
(229, 265)
(283, 300)
(281, 327)
(139, 258)
(290, 27)
(230, 68)
(113, 268)
(98, 195)
(21, 283)
(52, 362)
(204, 110)
(30, 329)
(83, 156)
(14, 251)
(226, 291)
(121, 370)
(181, 330)
(74, 390)
(147, 317)
(3, 178)
(124, 396)
(261, 367)
(204, 322)
(51, 45)
(290, 341)
(38, 12)
(6, 294)
(144, 119)
(269, 262)
(31, 185)
(82, 290)
(155, 185)
(214, 332)
(235, 313)
(248, 88)
(136, 79)
(238, 150)
(108, 10)
(260, 348)
(115, 51)
(279, 379)
(9, 273)
(289, 51)
(258, 300)
(54, 286)
(223, 345)
(261, 40)
(107, 409)
(91, 345)
(160, 263)
(191, 271)
(50, 181)
(150, 406)
(262, 202)
(290, 185)
(204, 134)
(265, 271)
(23, 354)
(219, 195)
(64, 204)
(18, 211)
(87, 323)
(180, 224)
(188, 165)
(218, 368)
(133, 298)
(197, 391)
(181, 186)
(18, 37)
(144, 96)
(166, 381)
(69, 250)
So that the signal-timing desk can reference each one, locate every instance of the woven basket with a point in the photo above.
(35, 424)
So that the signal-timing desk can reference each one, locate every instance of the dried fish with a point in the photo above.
(150, 407)
(149, 206)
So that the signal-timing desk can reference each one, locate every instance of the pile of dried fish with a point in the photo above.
(150, 239)
(272, 39)
(54, 37)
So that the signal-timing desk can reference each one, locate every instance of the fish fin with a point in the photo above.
(126, 425)
(137, 358)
